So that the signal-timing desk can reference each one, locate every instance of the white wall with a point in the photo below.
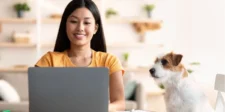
(200, 27)
(208, 37)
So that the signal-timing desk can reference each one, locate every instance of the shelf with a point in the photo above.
(17, 20)
(51, 21)
(13, 69)
(16, 45)
(130, 20)
(118, 20)
(132, 45)
(137, 69)
(28, 20)
(117, 45)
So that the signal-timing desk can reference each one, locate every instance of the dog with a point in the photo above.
(181, 92)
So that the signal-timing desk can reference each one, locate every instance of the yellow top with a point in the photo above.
(99, 59)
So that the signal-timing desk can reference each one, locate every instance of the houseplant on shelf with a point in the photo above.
(125, 59)
(110, 12)
(21, 8)
(149, 8)
(193, 65)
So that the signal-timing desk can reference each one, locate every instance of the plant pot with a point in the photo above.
(149, 14)
(20, 14)
(142, 38)
(111, 16)
(125, 63)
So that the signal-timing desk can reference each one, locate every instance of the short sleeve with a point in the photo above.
(115, 65)
(45, 61)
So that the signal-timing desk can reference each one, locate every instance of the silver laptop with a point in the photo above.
(68, 89)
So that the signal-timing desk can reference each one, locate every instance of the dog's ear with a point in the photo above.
(176, 59)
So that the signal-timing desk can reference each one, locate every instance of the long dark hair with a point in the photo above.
(98, 40)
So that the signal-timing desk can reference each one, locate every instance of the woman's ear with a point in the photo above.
(96, 28)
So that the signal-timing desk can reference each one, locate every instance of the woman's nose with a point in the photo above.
(80, 27)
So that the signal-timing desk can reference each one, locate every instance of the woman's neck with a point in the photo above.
(81, 52)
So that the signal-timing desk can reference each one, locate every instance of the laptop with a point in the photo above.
(56, 89)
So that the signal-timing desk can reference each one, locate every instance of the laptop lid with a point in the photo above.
(68, 89)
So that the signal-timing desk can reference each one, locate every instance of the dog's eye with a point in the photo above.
(164, 62)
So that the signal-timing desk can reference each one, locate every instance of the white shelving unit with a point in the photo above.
(39, 21)
(13, 70)
(17, 20)
(129, 20)
(27, 20)
(15, 45)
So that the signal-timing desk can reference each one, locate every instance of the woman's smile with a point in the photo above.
(79, 36)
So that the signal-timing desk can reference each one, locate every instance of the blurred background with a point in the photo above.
(136, 31)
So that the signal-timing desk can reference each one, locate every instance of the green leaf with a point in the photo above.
(21, 7)
(126, 56)
(190, 71)
(149, 7)
(110, 12)
(195, 63)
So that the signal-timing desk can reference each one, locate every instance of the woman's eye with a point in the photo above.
(164, 62)
(87, 23)
(73, 21)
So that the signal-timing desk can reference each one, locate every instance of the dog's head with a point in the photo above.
(167, 66)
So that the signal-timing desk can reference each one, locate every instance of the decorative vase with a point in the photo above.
(142, 38)
(125, 63)
(20, 14)
(149, 14)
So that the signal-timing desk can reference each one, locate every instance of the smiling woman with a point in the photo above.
(81, 43)
(80, 27)
(84, 18)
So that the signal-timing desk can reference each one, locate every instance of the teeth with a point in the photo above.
(79, 34)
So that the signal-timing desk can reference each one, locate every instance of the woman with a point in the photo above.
(80, 43)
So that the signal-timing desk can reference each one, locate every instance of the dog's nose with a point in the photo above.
(152, 71)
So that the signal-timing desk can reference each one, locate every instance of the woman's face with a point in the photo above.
(81, 27)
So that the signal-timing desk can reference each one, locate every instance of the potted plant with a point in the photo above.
(110, 12)
(149, 8)
(193, 65)
(125, 59)
(20, 8)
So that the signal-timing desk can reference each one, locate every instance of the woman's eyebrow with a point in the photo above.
(78, 18)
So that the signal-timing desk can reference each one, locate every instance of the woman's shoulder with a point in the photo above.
(54, 54)
(100, 54)
(109, 60)
(50, 59)
(106, 58)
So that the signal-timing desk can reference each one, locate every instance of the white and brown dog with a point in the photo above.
(182, 93)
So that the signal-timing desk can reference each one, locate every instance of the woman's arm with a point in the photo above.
(117, 100)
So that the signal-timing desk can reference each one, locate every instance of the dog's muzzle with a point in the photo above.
(152, 71)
